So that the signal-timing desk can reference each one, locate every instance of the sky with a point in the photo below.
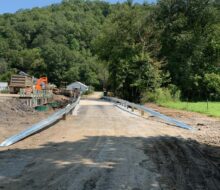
(11, 6)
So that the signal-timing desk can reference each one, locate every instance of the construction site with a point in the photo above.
(110, 95)
(103, 143)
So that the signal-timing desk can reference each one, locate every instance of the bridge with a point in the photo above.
(104, 147)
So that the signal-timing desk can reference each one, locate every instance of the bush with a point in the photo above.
(90, 91)
(5, 91)
(175, 92)
(212, 84)
(171, 93)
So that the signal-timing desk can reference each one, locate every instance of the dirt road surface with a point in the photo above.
(106, 148)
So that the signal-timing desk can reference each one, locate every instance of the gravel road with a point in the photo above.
(106, 148)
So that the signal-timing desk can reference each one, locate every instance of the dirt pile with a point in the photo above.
(16, 105)
(13, 108)
(15, 113)
(61, 100)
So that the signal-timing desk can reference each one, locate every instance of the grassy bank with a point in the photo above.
(213, 108)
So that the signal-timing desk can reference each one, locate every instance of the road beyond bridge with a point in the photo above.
(106, 148)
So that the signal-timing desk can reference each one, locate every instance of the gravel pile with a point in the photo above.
(14, 105)
(13, 110)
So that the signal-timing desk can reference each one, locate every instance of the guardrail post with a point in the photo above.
(64, 117)
(132, 109)
(142, 113)
(74, 110)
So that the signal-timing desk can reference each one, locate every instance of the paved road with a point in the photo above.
(106, 148)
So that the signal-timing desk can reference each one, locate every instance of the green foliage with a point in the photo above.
(208, 108)
(190, 43)
(103, 75)
(137, 51)
(160, 95)
(90, 91)
(126, 43)
(29, 60)
(3, 66)
(5, 91)
(55, 41)
(212, 84)
(5, 71)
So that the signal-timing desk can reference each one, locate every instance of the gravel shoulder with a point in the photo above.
(207, 128)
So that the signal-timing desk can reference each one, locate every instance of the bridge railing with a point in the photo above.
(42, 124)
(149, 111)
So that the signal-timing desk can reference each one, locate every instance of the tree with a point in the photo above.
(188, 42)
(129, 48)
(127, 44)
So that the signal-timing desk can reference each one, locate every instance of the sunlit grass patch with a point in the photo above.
(210, 108)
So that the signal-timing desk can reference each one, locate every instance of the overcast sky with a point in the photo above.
(11, 6)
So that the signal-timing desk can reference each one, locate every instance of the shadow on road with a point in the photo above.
(107, 162)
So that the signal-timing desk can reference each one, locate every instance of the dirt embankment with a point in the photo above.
(14, 112)
(207, 128)
(16, 116)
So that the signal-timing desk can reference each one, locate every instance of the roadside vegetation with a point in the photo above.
(208, 108)
(171, 97)
(160, 52)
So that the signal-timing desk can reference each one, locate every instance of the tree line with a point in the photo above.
(133, 50)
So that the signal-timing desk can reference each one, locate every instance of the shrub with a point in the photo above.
(5, 91)
(212, 84)
(171, 93)
(90, 91)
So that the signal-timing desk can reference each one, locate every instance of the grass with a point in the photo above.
(6, 91)
(213, 108)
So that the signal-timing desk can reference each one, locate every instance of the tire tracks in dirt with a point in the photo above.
(108, 149)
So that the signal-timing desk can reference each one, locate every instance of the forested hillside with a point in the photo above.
(55, 41)
(137, 51)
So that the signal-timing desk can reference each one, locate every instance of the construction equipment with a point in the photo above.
(18, 82)
(41, 83)
(56, 91)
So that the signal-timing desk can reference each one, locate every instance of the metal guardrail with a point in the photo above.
(41, 125)
(152, 112)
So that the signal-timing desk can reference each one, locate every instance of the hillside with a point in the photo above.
(134, 50)
(55, 41)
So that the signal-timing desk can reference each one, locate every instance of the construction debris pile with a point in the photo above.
(13, 111)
